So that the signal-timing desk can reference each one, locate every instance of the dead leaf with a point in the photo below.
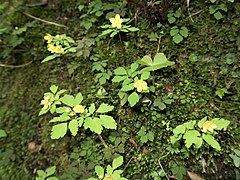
(194, 176)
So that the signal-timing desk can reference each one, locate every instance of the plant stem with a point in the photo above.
(120, 38)
(159, 162)
(102, 140)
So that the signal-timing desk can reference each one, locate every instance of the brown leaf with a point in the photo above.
(194, 176)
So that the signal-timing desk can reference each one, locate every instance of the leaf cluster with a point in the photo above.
(191, 136)
(111, 171)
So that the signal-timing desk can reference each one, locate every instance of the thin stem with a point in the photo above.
(102, 140)
(159, 162)
(42, 20)
(15, 66)
(159, 42)
(120, 38)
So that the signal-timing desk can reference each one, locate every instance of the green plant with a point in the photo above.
(178, 34)
(103, 75)
(47, 174)
(84, 47)
(2, 133)
(111, 171)
(129, 78)
(96, 9)
(10, 39)
(179, 171)
(220, 92)
(59, 45)
(159, 61)
(188, 132)
(217, 9)
(117, 27)
(74, 115)
(162, 102)
(145, 136)
(235, 157)
(172, 16)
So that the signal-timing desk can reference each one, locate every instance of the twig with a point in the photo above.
(128, 163)
(135, 17)
(159, 162)
(42, 20)
(15, 66)
(159, 41)
(102, 140)
(195, 14)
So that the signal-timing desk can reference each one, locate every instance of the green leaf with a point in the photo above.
(177, 38)
(95, 125)
(41, 174)
(171, 20)
(160, 61)
(133, 69)
(92, 108)
(191, 137)
(108, 31)
(118, 78)
(174, 31)
(221, 123)
(236, 160)
(127, 87)
(50, 171)
(78, 99)
(133, 29)
(51, 57)
(108, 122)
(103, 108)
(59, 130)
(218, 15)
(99, 171)
(52, 178)
(220, 92)
(180, 129)
(73, 126)
(184, 32)
(2, 133)
(146, 60)
(211, 141)
(61, 118)
(117, 162)
(68, 100)
(150, 136)
(109, 170)
(113, 34)
(133, 99)
(43, 111)
(190, 124)
(53, 89)
(200, 123)
(145, 75)
(120, 71)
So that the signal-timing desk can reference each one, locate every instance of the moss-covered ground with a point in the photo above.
(214, 44)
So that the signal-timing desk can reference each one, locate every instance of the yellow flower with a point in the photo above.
(107, 177)
(46, 102)
(49, 38)
(78, 109)
(51, 48)
(117, 21)
(208, 126)
(140, 85)
(59, 49)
